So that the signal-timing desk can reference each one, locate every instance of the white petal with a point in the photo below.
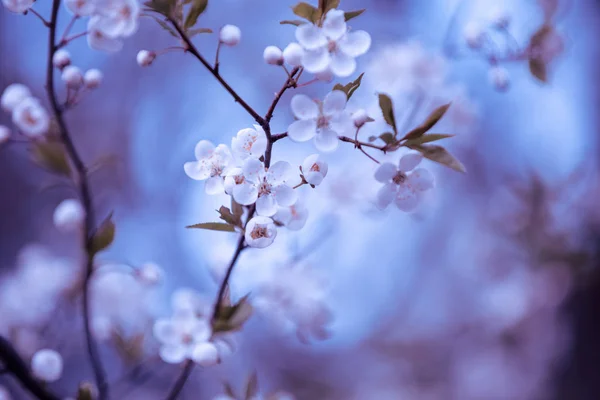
(385, 195)
(303, 130)
(214, 185)
(326, 140)
(299, 217)
(355, 44)
(310, 36)
(385, 172)
(200, 330)
(253, 169)
(205, 354)
(196, 170)
(334, 102)
(421, 179)
(266, 205)
(342, 123)
(245, 194)
(285, 195)
(342, 65)
(316, 61)
(279, 172)
(410, 161)
(165, 331)
(283, 215)
(99, 40)
(173, 354)
(303, 107)
(406, 198)
(314, 178)
(334, 25)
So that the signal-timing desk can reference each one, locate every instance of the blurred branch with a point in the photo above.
(86, 200)
(181, 380)
(13, 363)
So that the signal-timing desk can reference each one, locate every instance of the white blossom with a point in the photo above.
(69, 215)
(332, 46)
(4, 134)
(500, 18)
(98, 39)
(61, 58)
(82, 8)
(145, 58)
(205, 354)
(360, 118)
(47, 365)
(17, 6)
(31, 118)
(230, 35)
(13, 95)
(293, 54)
(273, 55)
(474, 35)
(149, 274)
(403, 183)
(266, 188)
(323, 121)
(93, 78)
(314, 169)
(210, 165)
(260, 232)
(72, 77)
(293, 217)
(118, 18)
(187, 301)
(180, 336)
(249, 143)
(499, 77)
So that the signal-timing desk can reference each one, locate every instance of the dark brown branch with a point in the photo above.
(181, 380)
(360, 144)
(289, 83)
(14, 364)
(86, 200)
(278, 136)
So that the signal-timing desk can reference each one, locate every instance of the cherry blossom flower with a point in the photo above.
(273, 55)
(93, 78)
(145, 58)
(360, 118)
(69, 215)
(249, 143)
(149, 274)
(61, 58)
(499, 78)
(31, 118)
(47, 365)
(293, 54)
(323, 121)
(13, 95)
(230, 35)
(314, 169)
(403, 184)
(210, 166)
(119, 18)
(293, 217)
(474, 35)
(260, 232)
(4, 134)
(98, 39)
(332, 46)
(17, 6)
(82, 8)
(266, 188)
(185, 338)
(72, 77)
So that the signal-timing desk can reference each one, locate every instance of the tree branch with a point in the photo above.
(360, 144)
(86, 200)
(181, 380)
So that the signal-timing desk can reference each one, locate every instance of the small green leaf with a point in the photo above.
(353, 14)
(427, 138)
(51, 156)
(213, 226)
(387, 109)
(231, 318)
(226, 215)
(306, 11)
(440, 155)
(164, 7)
(387, 137)
(252, 386)
(131, 348)
(326, 5)
(351, 87)
(538, 69)
(236, 208)
(104, 236)
(197, 8)
(431, 120)
(295, 22)
(197, 31)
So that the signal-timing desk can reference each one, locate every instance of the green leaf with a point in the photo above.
(326, 5)
(440, 155)
(308, 12)
(295, 22)
(131, 349)
(197, 8)
(431, 120)
(538, 69)
(164, 7)
(226, 215)
(427, 138)
(252, 386)
(351, 87)
(353, 14)
(196, 31)
(387, 109)
(51, 156)
(387, 137)
(213, 226)
(236, 208)
(104, 235)
(165, 26)
(231, 318)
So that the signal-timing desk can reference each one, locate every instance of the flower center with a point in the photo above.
(322, 122)
(238, 179)
(186, 338)
(29, 118)
(125, 12)
(315, 168)
(216, 169)
(259, 232)
(264, 188)
(331, 46)
(399, 178)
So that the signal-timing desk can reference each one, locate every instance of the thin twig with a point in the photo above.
(37, 14)
(68, 40)
(188, 367)
(86, 200)
(278, 136)
(68, 28)
(216, 67)
(289, 83)
(360, 144)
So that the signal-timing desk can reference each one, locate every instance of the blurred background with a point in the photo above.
(489, 291)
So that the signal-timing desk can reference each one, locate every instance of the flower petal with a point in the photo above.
(334, 102)
(385, 195)
(310, 36)
(406, 198)
(334, 25)
(421, 179)
(285, 195)
(303, 130)
(304, 107)
(196, 170)
(204, 149)
(279, 172)
(355, 44)
(165, 331)
(342, 65)
(409, 161)
(253, 169)
(342, 123)
(266, 205)
(173, 354)
(214, 185)
(316, 61)
(205, 354)
(245, 194)
(326, 140)
(385, 172)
